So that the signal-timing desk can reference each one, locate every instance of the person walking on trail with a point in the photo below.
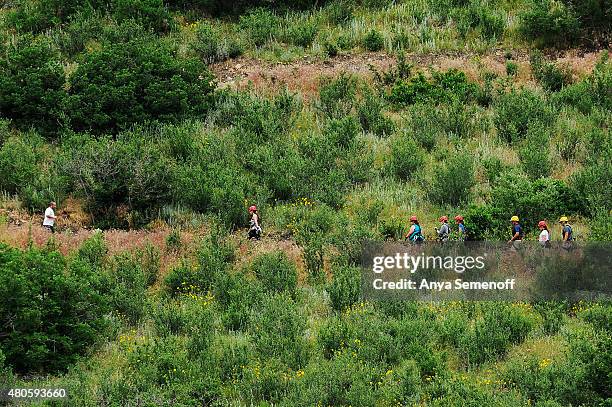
(544, 238)
(461, 227)
(444, 231)
(567, 234)
(415, 235)
(254, 224)
(49, 220)
(517, 232)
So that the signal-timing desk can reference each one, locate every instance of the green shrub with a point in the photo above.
(516, 110)
(150, 260)
(238, 295)
(127, 286)
(214, 255)
(550, 22)
(331, 48)
(591, 91)
(534, 153)
(374, 41)
(50, 313)
(169, 317)
(278, 330)
(18, 165)
(552, 77)
(38, 15)
(126, 83)
(343, 132)
(120, 179)
(345, 289)
(442, 87)
(511, 68)
(173, 240)
(313, 233)
(492, 335)
(407, 157)
(372, 117)
(152, 14)
(587, 184)
(453, 180)
(259, 26)
(339, 11)
(302, 33)
(493, 168)
(337, 96)
(93, 251)
(207, 42)
(478, 15)
(32, 79)
(276, 272)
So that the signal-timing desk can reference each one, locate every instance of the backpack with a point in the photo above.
(416, 236)
(570, 232)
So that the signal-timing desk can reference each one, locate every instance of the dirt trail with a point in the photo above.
(303, 75)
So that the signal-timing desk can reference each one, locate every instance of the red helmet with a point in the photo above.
(443, 218)
(542, 224)
(252, 208)
(413, 218)
(458, 218)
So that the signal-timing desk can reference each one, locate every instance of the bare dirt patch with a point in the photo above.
(303, 75)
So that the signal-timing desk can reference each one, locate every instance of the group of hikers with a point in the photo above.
(415, 234)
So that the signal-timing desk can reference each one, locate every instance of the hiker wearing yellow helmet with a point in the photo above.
(517, 230)
(566, 232)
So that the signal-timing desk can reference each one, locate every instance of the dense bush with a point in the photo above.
(492, 335)
(133, 82)
(276, 272)
(552, 77)
(516, 110)
(372, 117)
(345, 288)
(550, 23)
(16, 174)
(442, 87)
(373, 41)
(214, 256)
(278, 329)
(152, 14)
(407, 158)
(32, 83)
(122, 180)
(453, 179)
(566, 22)
(302, 33)
(535, 154)
(479, 15)
(337, 96)
(50, 314)
(127, 285)
(259, 26)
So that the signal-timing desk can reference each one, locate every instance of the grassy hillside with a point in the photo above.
(160, 123)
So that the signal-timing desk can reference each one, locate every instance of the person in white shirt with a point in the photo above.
(544, 234)
(49, 221)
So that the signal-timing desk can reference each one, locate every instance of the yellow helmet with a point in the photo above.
(563, 219)
(514, 219)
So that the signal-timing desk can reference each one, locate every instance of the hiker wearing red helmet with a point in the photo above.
(255, 228)
(444, 231)
(544, 238)
(414, 234)
(461, 227)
